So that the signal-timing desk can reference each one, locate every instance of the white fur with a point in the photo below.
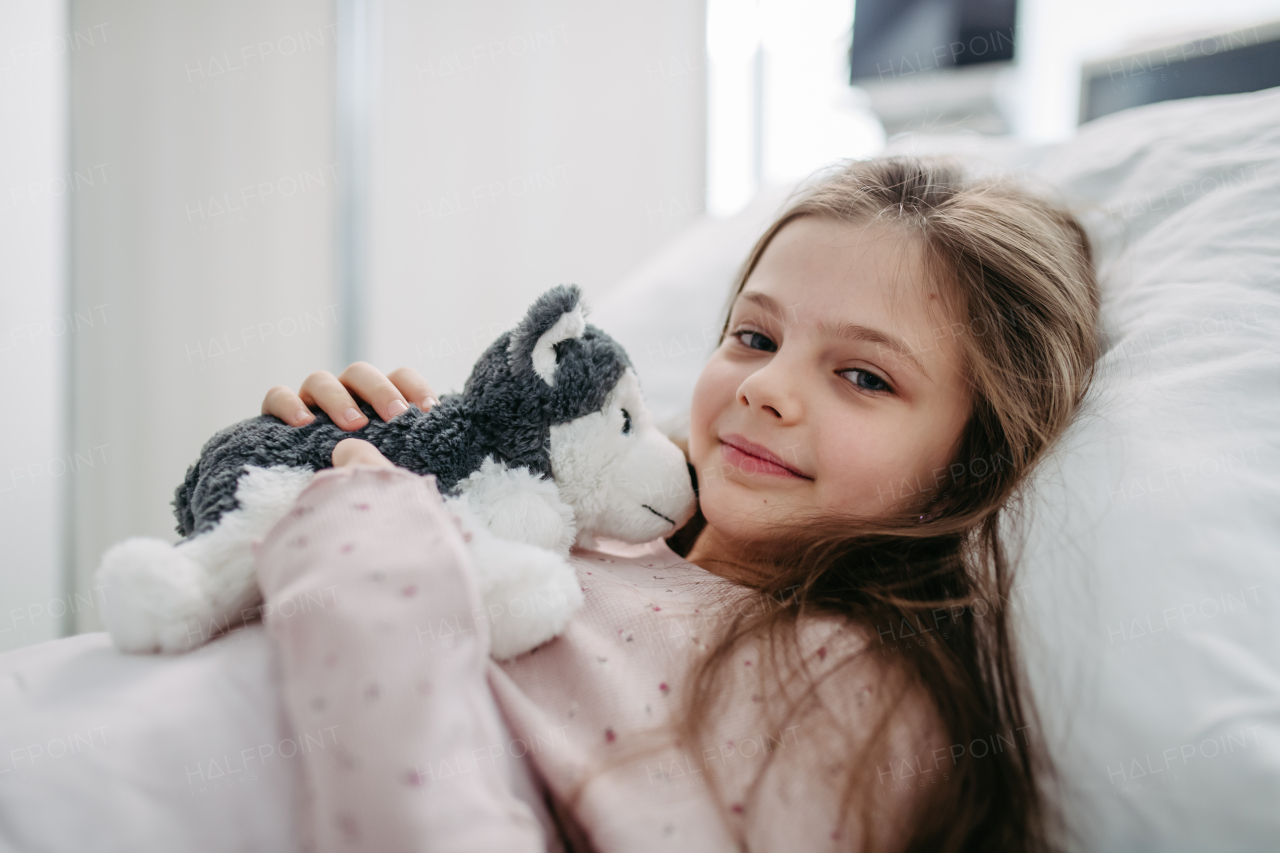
(170, 598)
(570, 325)
(529, 592)
(609, 477)
(516, 505)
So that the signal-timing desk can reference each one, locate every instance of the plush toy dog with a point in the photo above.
(549, 443)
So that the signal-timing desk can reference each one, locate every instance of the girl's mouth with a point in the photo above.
(755, 459)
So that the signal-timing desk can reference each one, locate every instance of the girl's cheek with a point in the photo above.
(857, 471)
(715, 390)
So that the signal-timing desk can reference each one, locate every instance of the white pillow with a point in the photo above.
(1148, 599)
(1155, 553)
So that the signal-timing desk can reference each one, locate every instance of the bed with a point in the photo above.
(1148, 602)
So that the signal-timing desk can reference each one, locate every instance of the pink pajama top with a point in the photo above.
(441, 748)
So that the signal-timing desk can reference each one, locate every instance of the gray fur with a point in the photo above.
(505, 410)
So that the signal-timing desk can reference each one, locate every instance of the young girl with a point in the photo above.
(830, 664)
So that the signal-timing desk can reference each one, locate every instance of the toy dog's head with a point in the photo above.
(561, 397)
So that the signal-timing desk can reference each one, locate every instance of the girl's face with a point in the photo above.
(837, 387)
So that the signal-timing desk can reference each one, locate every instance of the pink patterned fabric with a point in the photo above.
(365, 557)
(397, 661)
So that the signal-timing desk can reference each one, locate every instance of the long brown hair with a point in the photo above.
(1015, 273)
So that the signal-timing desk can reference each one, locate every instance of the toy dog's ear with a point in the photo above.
(556, 316)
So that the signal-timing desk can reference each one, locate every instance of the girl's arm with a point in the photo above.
(395, 734)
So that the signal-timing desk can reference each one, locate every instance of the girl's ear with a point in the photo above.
(555, 316)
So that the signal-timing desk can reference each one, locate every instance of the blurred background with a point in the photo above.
(201, 200)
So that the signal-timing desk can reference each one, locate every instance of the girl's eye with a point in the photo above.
(865, 379)
(626, 422)
(755, 340)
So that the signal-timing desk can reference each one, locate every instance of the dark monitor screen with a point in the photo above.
(894, 38)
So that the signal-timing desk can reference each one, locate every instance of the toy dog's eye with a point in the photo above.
(626, 422)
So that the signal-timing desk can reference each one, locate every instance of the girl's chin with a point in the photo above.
(743, 517)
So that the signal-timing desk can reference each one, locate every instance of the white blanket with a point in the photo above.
(102, 751)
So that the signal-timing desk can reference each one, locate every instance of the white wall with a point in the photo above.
(780, 105)
(517, 146)
(207, 235)
(33, 316)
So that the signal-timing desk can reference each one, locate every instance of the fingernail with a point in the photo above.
(397, 406)
(302, 416)
(430, 402)
(353, 415)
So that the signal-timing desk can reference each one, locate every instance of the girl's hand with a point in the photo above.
(389, 396)
(357, 451)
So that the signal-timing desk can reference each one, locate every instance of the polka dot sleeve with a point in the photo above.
(366, 559)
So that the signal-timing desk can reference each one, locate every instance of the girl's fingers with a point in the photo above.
(323, 389)
(357, 451)
(369, 383)
(389, 395)
(287, 406)
(414, 388)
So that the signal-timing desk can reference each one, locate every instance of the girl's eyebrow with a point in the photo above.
(844, 331)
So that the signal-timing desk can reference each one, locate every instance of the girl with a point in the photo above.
(830, 664)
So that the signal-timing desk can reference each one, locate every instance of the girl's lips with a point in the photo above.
(752, 464)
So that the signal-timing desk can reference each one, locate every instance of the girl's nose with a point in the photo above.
(771, 392)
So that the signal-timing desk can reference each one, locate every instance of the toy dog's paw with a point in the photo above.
(529, 594)
(154, 597)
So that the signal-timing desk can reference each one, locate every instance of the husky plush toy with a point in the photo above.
(550, 443)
